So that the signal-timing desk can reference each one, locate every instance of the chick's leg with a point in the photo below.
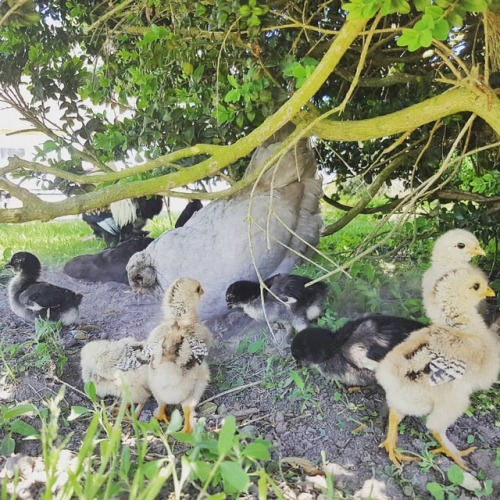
(389, 444)
(448, 449)
(187, 429)
(161, 413)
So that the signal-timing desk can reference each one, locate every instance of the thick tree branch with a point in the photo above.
(457, 100)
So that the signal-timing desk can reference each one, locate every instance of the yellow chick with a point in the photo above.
(178, 371)
(116, 366)
(451, 250)
(436, 369)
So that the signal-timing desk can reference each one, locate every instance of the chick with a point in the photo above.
(178, 371)
(437, 368)
(285, 299)
(117, 366)
(351, 354)
(30, 298)
(451, 250)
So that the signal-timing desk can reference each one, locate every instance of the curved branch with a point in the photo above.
(456, 100)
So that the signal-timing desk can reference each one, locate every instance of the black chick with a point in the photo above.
(351, 354)
(30, 298)
(288, 301)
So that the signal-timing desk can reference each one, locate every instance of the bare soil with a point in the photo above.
(256, 387)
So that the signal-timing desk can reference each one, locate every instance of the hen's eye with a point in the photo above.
(476, 286)
(461, 245)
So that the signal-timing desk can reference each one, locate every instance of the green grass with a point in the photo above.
(56, 242)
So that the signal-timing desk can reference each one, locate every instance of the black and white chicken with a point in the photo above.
(123, 219)
(30, 298)
(285, 299)
(351, 354)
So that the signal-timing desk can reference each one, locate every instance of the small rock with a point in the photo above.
(279, 417)
(280, 428)
(21, 463)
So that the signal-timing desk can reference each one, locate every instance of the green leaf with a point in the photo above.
(77, 412)
(299, 382)
(425, 38)
(441, 29)
(474, 5)
(175, 423)
(455, 474)
(258, 450)
(23, 428)
(232, 96)
(256, 345)
(7, 445)
(226, 436)
(125, 461)
(201, 469)
(234, 477)
(436, 490)
(151, 469)
(89, 389)
(17, 411)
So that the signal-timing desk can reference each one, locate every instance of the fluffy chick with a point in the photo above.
(285, 299)
(437, 368)
(451, 250)
(351, 354)
(117, 367)
(178, 371)
(30, 298)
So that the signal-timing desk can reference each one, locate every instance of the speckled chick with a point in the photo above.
(117, 367)
(178, 372)
(451, 250)
(30, 298)
(434, 372)
(351, 353)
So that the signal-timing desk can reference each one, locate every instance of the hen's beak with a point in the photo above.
(477, 250)
(488, 293)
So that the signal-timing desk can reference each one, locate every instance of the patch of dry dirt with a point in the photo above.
(322, 418)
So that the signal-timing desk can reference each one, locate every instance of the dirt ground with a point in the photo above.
(319, 419)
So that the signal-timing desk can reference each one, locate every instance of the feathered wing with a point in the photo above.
(135, 355)
(444, 369)
(46, 296)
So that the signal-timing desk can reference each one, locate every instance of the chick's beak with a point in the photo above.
(477, 250)
(488, 293)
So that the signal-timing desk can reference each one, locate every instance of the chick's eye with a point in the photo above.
(461, 245)
(476, 286)
(198, 290)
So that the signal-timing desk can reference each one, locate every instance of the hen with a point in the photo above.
(30, 298)
(178, 371)
(265, 229)
(451, 250)
(123, 219)
(437, 368)
(117, 367)
(351, 354)
(284, 299)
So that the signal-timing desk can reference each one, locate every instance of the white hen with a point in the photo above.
(451, 250)
(225, 242)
